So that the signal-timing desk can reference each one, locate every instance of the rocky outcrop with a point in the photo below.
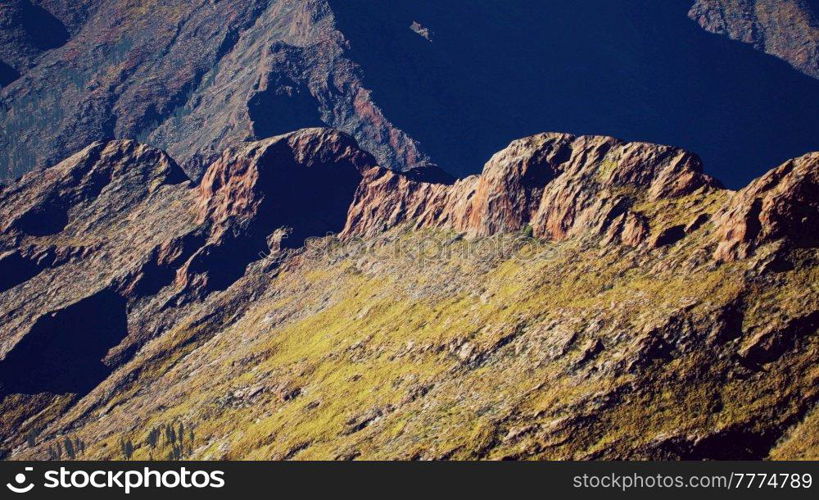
(781, 205)
(558, 184)
(119, 227)
(122, 173)
(302, 181)
(120, 217)
(788, 29)
(84, 224)
(562, 186)
(190, 77)
(265, 178)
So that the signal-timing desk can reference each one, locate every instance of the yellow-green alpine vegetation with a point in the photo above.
(425, 345)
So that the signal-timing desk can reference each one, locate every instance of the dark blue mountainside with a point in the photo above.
(635, 69)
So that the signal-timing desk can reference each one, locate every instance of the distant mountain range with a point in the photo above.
(788, 29)
(189, 76)
(194, 77)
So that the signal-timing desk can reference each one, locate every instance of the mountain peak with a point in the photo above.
(120, 171)
(782, 204)
(275, 170)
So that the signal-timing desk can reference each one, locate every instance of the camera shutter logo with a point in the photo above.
(20, 479)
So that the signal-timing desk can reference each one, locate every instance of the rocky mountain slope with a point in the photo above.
(582, 298)
(191, 77)
(788, 29)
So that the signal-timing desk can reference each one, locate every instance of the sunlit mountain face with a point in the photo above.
(640, 70)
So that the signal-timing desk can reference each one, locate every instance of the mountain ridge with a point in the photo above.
(187, 269)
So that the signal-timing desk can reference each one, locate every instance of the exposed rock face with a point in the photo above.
(190, 77)
(564, 186)
(788, 29)
(72, 236)
(40, 203)
(783, 204)
(261, 178)
(303, 181)
(87, 223)
(133, 299)
(129, 218)
(558, 184)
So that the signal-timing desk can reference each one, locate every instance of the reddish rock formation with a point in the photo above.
(632, 229)
(564, 186)
(245, 177)
(782, 204)
(558, 184)
(303, 181)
